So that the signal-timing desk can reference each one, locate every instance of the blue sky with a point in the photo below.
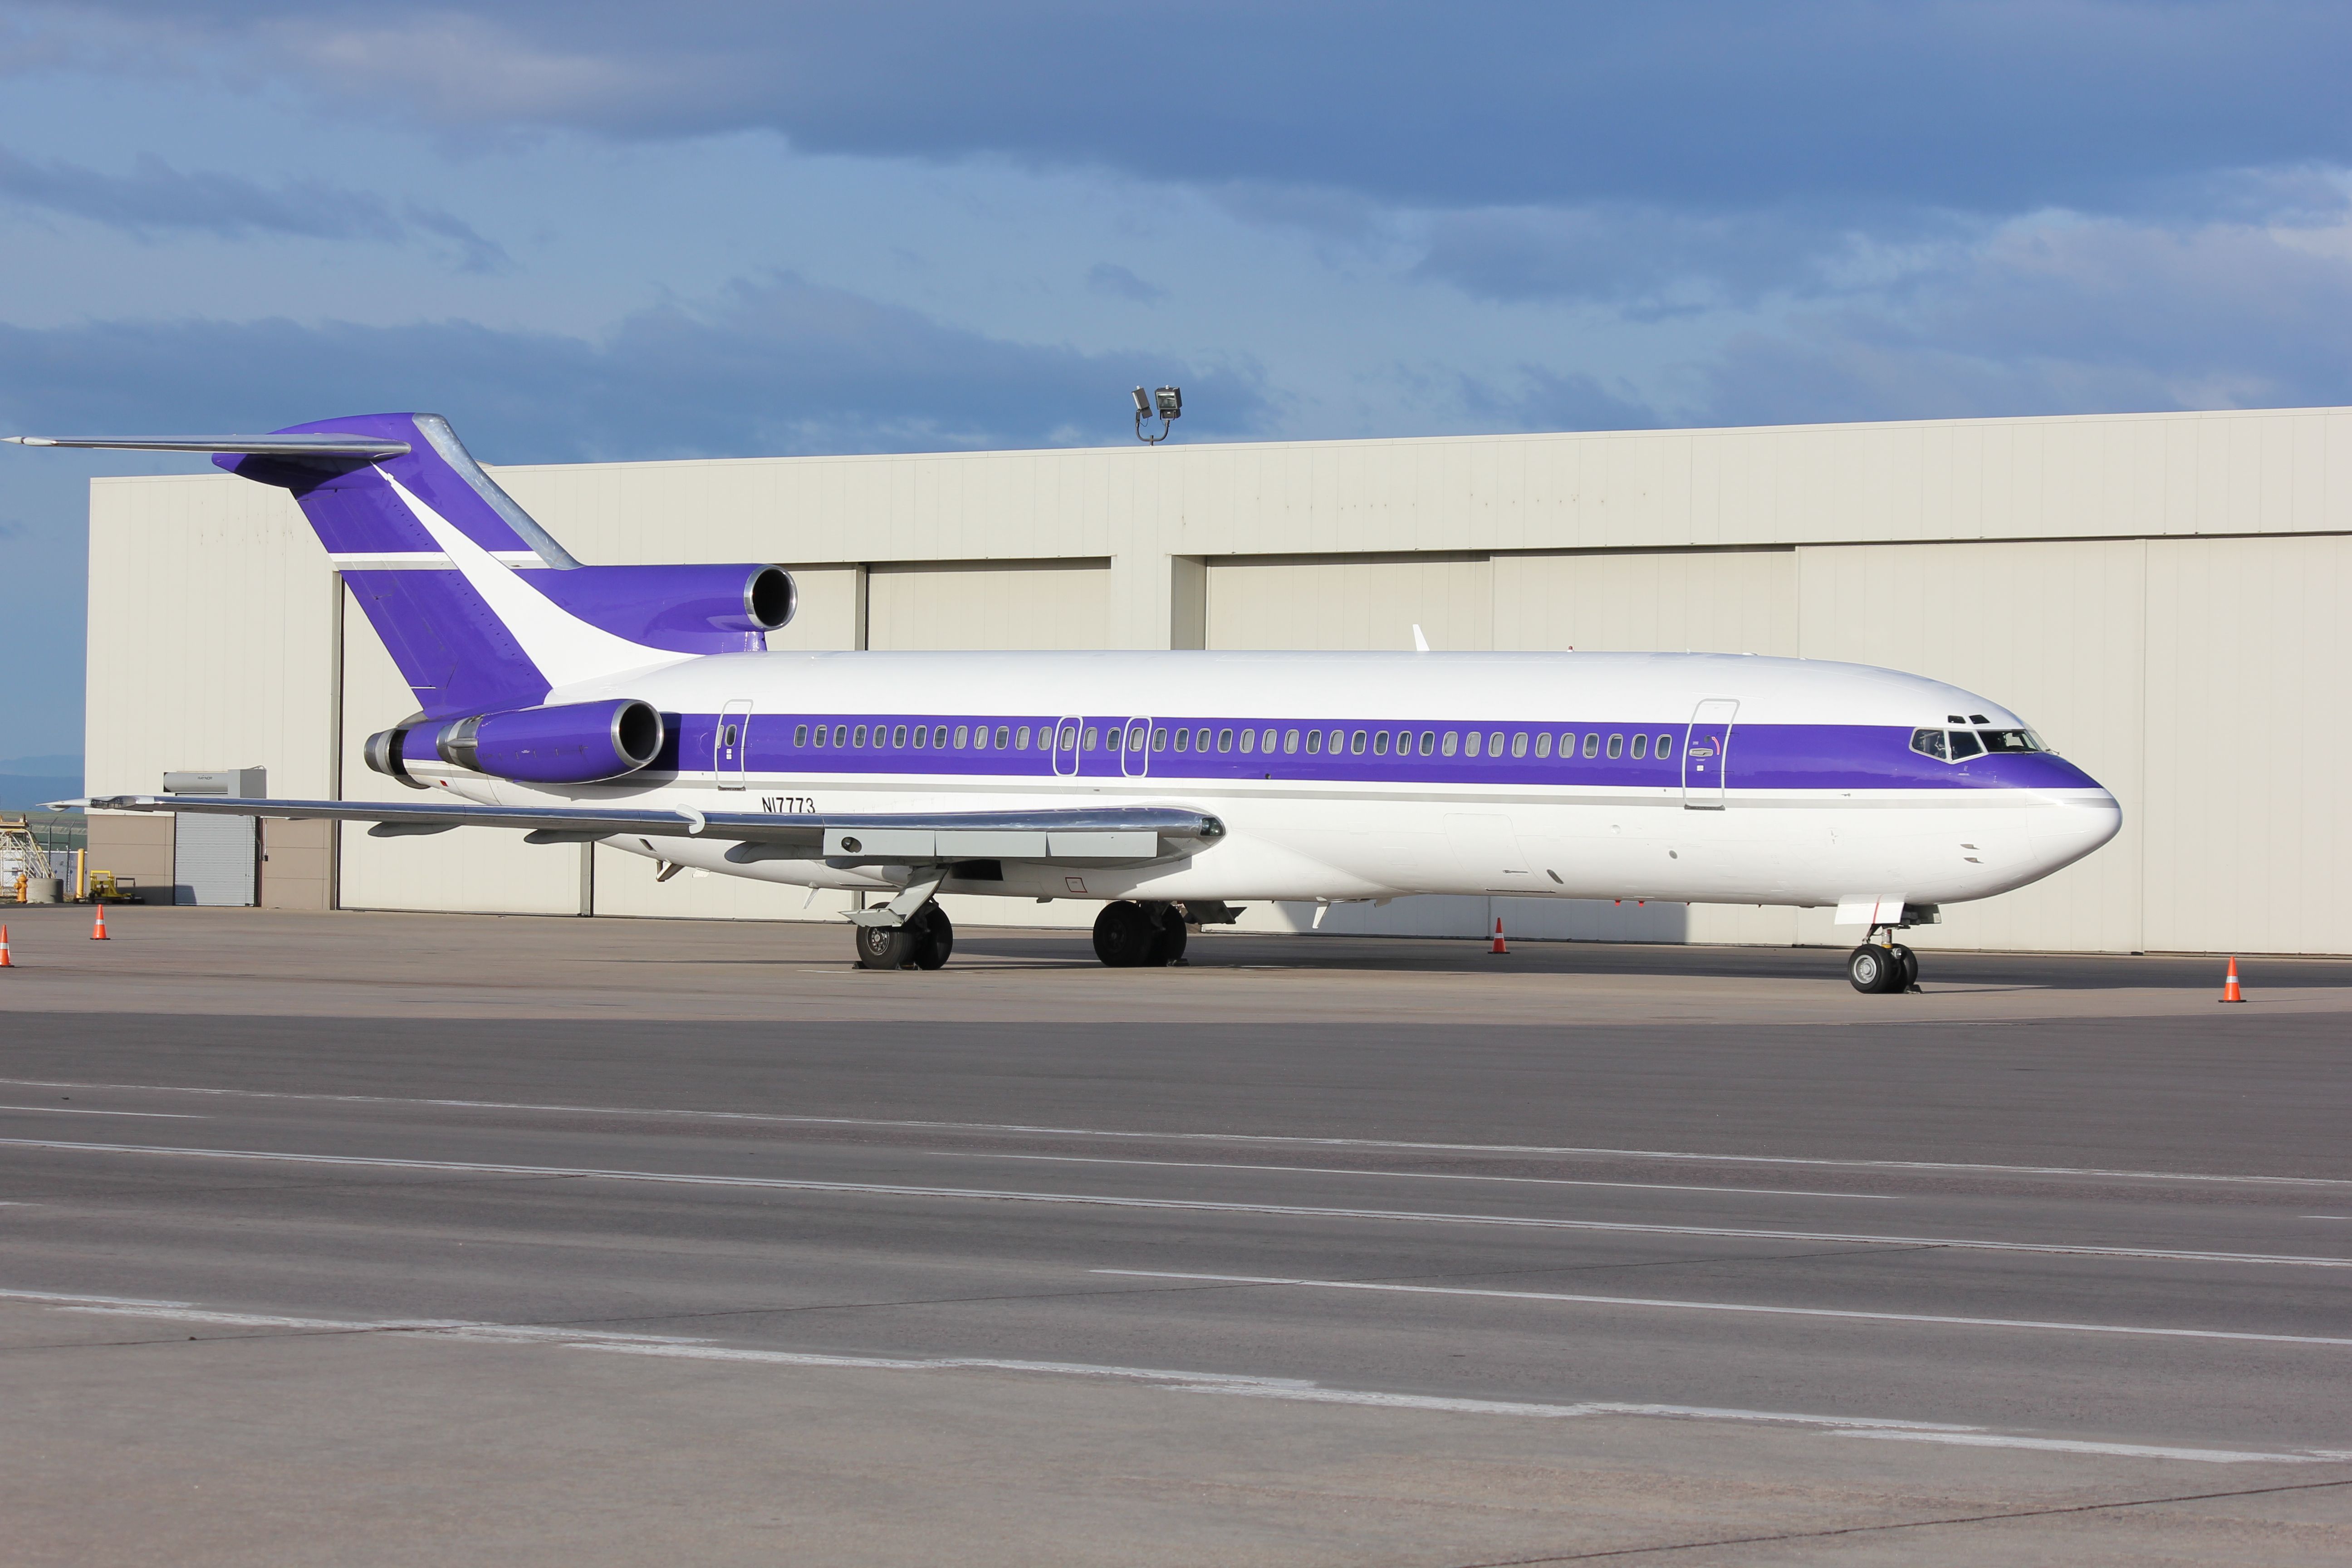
(610, 231)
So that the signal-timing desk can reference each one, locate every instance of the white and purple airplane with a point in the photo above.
(640, 706)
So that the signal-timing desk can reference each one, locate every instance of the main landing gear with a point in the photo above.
(1140, 936)
(1881, 968)
(923, 942)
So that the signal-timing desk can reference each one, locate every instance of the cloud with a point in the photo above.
(155, 196)
(1109, 277)
(774, 365)
(2060, 315)
(1984, 106)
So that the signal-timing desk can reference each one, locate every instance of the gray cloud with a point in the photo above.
(155, 197)
(778, 365)
(1989, 106)
(1110, 277)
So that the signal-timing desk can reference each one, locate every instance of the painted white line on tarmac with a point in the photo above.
(1939, 1319)
(82, 1111)
(1026, 1130)
(1180, 1205)
(1416, 1175)
(1240, 1385)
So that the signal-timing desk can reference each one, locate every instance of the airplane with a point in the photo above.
(640, 706)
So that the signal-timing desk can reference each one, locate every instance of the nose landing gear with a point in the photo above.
(1881, 968)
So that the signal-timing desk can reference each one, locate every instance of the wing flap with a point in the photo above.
(1134, 833)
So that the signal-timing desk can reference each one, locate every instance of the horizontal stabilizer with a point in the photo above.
(1136, 833)
(327, 446)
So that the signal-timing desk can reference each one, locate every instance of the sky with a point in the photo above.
(602, 231)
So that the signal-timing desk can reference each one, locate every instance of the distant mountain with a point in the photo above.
(22, 792)
(46, 767)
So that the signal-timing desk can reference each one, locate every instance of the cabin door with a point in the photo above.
(1135, 761)
(1065, 746)
(1706, 752)
(732, 744)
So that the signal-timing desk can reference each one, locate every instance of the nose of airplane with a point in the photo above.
(2075, 821)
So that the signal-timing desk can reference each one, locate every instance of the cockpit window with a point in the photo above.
(1965, 745)
(1930, 743)
(1998, 741)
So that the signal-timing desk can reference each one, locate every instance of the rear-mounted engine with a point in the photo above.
(574, 743)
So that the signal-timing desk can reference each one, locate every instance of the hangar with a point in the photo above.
(2164, 596)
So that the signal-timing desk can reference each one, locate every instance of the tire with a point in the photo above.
(1909, 979)
(883, 947)
(934, 937)
(1123, 935)
(1167, 940)
(1873, 970)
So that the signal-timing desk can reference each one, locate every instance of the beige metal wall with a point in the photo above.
(2160, 593)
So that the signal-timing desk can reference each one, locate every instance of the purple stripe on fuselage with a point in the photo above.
(1759, 757)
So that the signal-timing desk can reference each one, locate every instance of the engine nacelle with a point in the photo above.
(573, 743)
(384, 754)
(684, 609)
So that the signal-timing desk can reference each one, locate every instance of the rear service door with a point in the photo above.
(1706, 754)
(730, 745)
(1065, 746)
(1135, 761)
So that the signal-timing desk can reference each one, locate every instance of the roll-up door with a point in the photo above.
(214, 858)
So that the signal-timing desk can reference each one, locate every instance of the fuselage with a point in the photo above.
(1705, 777)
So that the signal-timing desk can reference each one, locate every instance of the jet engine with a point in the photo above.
(572, 742)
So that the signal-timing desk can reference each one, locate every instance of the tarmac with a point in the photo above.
(1316, 1250)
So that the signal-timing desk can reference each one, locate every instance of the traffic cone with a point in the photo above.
(97, 931)
(2229, 992)
(1499, 944)
(6, 961)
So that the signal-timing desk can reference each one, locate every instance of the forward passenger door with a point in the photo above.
(1706, 754)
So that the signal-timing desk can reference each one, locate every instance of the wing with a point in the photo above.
(1124, 834)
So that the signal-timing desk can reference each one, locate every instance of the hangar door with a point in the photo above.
(1349, 602)
(1649, 601)
(988, 605)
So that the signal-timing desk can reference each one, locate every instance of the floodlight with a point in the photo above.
(1166, 403)
(1171, 401)
(1142, 404)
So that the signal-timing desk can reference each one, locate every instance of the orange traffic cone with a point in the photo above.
(2229, 992)
(97, 931)
(6, 961)
(1499, 944)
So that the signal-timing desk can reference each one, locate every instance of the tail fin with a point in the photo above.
(480, 606)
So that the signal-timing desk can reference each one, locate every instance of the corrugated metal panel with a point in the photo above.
(1710, 601)
(1350, 603)
(214, 858)
(989, 605)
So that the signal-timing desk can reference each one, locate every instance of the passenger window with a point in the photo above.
(1356, 744)
(963, 736)
(1265, 742)
(1640, 744)
(1249, 742)
(1004, 736)
(857, 737)
(1451, 744)
(1665, 747)
(1616, 747)
(1472, 744)
(1494, 743)
(1020, 738)
(1519, 744)
(800, 735)
(1224, 740)
(1183, 740)
(1965, 745)
(1379, 742)
(818, 737)
(922, 735)
(1428, 743)
(1566, 745)
(1543, 744)
(1289, 741)
(1069, 739)
(939, 737)
(1929, 744)
(1592, 742)
(1314, 743)
(1094, 736)
(1160, 740)
(1200, 740)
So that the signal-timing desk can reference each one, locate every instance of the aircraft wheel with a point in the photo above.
(934, 937)
(1124, 935)
(1909, 961)
(883, 947)
(1873, 969)
(1168, 938)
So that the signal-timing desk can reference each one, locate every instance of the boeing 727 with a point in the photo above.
(640, 707)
